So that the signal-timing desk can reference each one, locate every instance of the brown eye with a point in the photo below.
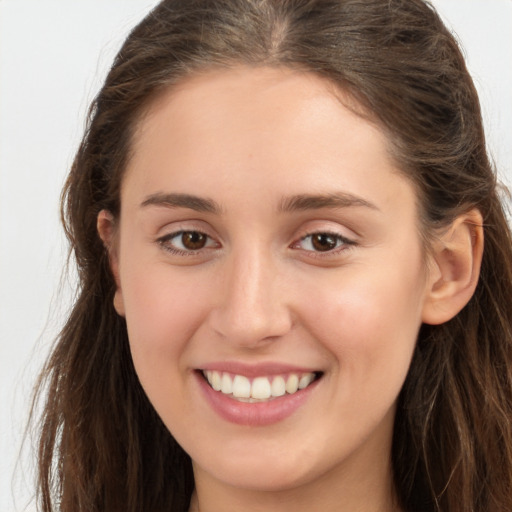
(187, 242)
(324, 242)
(193, 240)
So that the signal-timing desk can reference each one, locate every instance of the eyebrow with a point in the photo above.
(304, 202)
(300, 202)
(177, 200)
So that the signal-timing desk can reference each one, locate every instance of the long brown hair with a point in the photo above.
(102, 446)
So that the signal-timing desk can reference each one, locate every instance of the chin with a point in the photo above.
(261, 469)
(267, 479)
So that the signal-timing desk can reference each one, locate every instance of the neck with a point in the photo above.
(369, 490)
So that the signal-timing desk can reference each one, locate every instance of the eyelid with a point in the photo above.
(164, 242)
(316, 227)
(346, 243)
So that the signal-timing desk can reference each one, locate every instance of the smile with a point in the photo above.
(258, 389)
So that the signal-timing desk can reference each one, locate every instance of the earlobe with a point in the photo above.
(106, 230)
(455, 268)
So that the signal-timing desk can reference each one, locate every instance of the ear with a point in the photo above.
(107, 230)
(454, 269)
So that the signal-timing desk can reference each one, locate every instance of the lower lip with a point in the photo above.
(258, 413)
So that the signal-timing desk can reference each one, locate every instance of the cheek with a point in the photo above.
(369, 321)
(163, 311)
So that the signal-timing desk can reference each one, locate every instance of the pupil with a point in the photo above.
(193, 240)
(324, 242)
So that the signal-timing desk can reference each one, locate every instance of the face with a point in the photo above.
(272, 277)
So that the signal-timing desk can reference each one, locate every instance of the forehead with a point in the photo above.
(250, 87)
(267, 130)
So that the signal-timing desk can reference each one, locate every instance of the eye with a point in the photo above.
(183, 242)
(323, 242)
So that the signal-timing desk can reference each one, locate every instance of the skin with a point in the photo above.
(259, 291)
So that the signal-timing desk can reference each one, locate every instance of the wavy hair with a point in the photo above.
(102, 446)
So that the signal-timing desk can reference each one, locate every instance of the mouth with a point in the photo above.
(259, 389)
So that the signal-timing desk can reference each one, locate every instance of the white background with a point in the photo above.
(54, 55)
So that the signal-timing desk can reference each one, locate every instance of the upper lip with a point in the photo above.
(256, 370)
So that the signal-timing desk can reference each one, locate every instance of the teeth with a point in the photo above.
(241, 386)
(292, 384)
(227, 384)
(278, 386)
(216, 381)
(306, 380)
(261, 388)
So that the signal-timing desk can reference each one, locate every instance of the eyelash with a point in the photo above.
(164, 242)
(342, 243)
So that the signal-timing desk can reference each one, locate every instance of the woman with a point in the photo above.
(278, 214)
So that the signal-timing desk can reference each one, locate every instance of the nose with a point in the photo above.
(252, 308)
